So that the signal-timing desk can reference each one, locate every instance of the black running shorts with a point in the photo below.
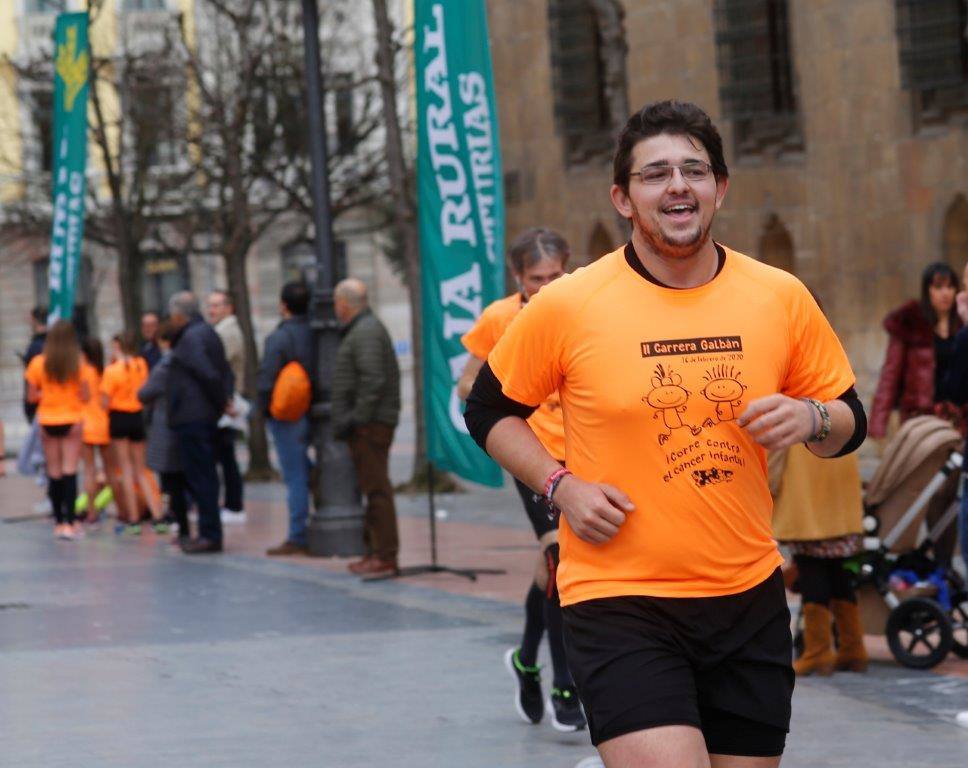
(721, 664)
(57, 430)
(539, 513)
(123, 425)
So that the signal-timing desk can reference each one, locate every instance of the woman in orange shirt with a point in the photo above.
(95, 438)
(119, 395)
(536, 257)
(55, 383)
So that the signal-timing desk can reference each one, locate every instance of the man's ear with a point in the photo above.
(721, 186)
(620, 199)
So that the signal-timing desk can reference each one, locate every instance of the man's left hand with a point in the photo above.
(777, 421)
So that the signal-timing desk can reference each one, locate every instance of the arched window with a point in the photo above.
(954, 233)
(776, 245)
(588, 53)
(599, 243)
(757, 87)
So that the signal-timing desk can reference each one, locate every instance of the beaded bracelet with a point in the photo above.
(820, 435)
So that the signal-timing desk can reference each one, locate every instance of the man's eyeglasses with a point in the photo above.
(694, 170)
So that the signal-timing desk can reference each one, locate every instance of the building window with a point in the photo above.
(588, 75)
(153, 115)
(42, 115)
(954, 236)
(163, 277)
(933, 52)
(345, 114)
(776, 245)
(756, 83)
(299, 262)
(145, 5)
(44, 6)
(84, 312)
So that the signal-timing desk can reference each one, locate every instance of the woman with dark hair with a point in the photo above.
(919, 353)
(119, 395)
(537, 257)
(54, 383)
(95, 437)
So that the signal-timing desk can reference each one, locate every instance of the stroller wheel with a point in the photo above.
(919, 633)
(959, 625)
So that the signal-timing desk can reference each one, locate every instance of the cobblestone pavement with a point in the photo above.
(123, 652)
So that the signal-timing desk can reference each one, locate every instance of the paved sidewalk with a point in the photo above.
(120, 652)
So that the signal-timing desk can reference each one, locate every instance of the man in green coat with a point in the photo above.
(366, 409)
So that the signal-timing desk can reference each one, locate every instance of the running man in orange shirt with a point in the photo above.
(55, 383)
(678, 362)
(536, 257)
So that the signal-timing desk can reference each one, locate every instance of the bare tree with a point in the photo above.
(248, 144)
(404, 213)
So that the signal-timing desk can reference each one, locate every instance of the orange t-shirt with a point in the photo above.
(121, 381)
(95, 417)
(60, 402)
(651, 380)
(480, 340)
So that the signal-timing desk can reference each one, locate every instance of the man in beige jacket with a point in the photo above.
(221, 314)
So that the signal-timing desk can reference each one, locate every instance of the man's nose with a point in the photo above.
(678, 182)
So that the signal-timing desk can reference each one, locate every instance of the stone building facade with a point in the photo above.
(845, 126)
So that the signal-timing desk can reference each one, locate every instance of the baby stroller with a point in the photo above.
(908, 589)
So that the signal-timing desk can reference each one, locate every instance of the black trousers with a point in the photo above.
(231, 477)
(196, 442)
(173, 483)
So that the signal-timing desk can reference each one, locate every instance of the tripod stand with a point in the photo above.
(433, 566)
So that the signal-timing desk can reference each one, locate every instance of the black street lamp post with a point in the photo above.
(335, 525)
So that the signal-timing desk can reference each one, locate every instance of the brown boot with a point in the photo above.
(818, 652)
(851, 653)
(286, 549)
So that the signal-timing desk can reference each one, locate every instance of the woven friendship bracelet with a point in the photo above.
(551, 484)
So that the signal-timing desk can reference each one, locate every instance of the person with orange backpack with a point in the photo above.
(199, 390)
(284, 386)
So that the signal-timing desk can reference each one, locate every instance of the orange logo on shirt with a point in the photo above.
(669, 398)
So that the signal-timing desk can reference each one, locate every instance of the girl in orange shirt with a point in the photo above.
(95, 438)
(54, 382)
(536, 257)
(119, 395)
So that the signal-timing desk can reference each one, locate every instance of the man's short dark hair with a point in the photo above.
(39, 314)
(295, 296)
(678, 118)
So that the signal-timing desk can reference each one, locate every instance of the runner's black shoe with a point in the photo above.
(566, 714)
(527, 698)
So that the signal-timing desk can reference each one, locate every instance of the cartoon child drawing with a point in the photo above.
(669, 398)
(726, 390)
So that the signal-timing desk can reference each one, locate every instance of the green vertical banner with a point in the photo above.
(71, 68)
(460, 212)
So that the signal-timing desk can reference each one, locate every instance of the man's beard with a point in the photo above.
(664, 246)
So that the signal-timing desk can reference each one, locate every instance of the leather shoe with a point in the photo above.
(356, 565)
(376, 566)
(200, 546)
(287, 548)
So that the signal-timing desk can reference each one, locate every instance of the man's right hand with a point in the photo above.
(595, 511)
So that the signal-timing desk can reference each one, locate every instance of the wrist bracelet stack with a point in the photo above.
(551, 485)
(818, 408)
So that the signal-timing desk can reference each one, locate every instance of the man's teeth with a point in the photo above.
(679, 209)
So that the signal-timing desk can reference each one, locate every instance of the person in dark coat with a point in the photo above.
(366, 408)
(199, 391)
(163, 454)
(38, 328)
(919, 353)
(150, 348)
(292, 340)
(956, 387)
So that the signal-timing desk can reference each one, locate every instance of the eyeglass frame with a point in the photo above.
(671, 169)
